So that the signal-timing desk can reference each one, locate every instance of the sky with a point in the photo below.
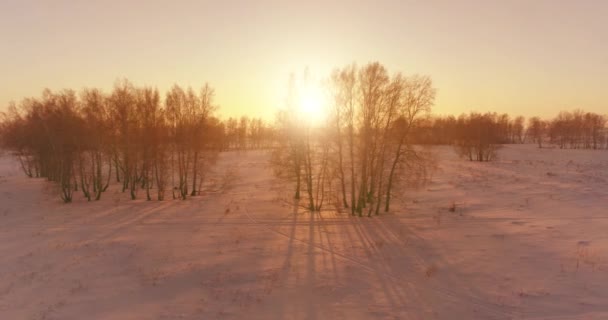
(517, 57)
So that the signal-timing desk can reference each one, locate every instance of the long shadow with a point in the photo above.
(400, 296)
(130, 220)
(452, 292)
(311, 271)
(286, 266)
(330, 244)
(450, 283)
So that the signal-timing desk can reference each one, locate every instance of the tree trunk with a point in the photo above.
(353, 177)
(389, 185)
(194, 174)
(340, 161)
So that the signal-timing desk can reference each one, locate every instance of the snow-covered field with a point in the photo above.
(528, 239)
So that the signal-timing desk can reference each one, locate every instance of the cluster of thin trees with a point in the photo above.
(246, 133)
(575, 130)
(364, 148)
(83, 141)
(477, 137)
(450, 129)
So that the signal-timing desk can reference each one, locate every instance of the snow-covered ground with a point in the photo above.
(528, 239)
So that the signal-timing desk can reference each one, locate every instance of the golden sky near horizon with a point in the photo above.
(521, 57)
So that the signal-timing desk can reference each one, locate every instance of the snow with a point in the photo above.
(527, 240)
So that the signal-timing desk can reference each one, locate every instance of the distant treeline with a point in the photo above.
(247, 133)
(575, 130)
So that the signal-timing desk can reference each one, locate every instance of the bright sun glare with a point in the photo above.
(312, 105)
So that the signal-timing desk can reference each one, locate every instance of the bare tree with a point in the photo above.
(536, 130)
(479, 136)
(339, 114)
(418, 98)
(95, 114)
(288, 157)
(202, 111)
(344, 83)
(373, 79)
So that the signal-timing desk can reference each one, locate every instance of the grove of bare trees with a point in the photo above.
(478, 136)
(578, 130)
(248, 133)
(84, 141)
(364, 148)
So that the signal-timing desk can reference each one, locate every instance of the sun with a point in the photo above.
(312, 104)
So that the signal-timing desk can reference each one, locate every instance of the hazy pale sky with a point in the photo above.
(521, 57)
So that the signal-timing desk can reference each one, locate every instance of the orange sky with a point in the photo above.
(520, 57)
